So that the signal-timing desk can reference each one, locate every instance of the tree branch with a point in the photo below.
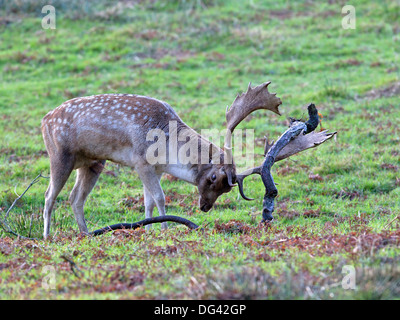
(145, 222)
(289, 135)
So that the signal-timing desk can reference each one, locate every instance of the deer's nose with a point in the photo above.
(205, 207)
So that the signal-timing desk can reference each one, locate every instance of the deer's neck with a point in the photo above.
(185, 172)
(190, 172)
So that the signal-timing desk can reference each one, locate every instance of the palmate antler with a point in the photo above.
(244, 104)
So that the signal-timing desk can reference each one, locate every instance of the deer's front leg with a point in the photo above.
(60, 169)
(153, 193)
(149, 205)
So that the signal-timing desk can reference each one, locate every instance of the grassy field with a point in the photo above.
(337, 204)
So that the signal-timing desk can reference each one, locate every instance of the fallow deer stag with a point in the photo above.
(83, 133)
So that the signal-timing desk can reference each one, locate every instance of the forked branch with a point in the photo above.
(270, 189)
(290, 143)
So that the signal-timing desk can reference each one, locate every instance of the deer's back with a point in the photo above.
(105, 126)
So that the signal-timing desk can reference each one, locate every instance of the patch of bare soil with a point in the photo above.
(389, 91)
(180, 56)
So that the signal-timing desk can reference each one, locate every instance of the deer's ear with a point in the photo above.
(231, 177)
(212, 154)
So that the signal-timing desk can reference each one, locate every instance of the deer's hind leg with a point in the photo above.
(86, 179)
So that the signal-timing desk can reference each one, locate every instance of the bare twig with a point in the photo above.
(30, 185)
(4, 223)
(391, 221)
(74, 268)
(7, 229)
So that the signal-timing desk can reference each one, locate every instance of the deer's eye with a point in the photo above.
(213, 177)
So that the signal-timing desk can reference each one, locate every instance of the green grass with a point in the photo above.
(197, 56)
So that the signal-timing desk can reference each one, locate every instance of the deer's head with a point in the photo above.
(215, 179)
